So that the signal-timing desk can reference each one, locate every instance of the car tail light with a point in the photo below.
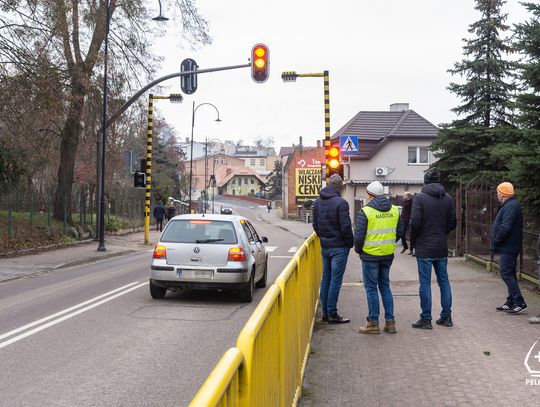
(236, 254)
(160, 252)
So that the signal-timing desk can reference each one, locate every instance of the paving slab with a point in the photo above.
(479, 361)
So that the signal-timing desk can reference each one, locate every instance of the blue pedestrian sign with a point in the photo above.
(348, 144)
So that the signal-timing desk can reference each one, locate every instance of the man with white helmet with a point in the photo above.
(377, 229)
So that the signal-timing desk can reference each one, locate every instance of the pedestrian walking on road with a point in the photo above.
(433, 216)
(506, 239)
(406, 217)
(269, 206)
(332, 223)
(159, 214)
(171, 210)
(376, 231)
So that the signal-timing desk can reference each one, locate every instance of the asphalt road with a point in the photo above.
(92, 336)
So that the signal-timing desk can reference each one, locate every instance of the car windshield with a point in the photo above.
(199, 231)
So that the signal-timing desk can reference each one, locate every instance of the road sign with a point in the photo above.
(348, 144)
(188, 83)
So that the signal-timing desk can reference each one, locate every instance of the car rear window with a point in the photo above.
(199, 231)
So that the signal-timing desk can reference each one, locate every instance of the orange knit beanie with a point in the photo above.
(506, 189)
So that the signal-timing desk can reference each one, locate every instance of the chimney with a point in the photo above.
(300, 140)
(318, 143)
(187, 139)
(399, 107)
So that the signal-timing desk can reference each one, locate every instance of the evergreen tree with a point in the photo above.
(486, 95)
(275, 182)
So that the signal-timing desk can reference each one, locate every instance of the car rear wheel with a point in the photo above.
(157, 293)
(246, 294)
(262, 282)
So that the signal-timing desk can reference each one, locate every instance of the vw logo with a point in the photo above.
(196, 249)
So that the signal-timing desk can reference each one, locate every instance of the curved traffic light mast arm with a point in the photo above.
(124, 107)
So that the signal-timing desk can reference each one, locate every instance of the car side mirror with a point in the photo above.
(264, 239)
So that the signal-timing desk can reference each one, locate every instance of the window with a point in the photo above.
(246, 181)
(248, 232)
(234, 181)
(253, 182)
(261, 162)
(252, 161)
(197, 231)
(418, 155)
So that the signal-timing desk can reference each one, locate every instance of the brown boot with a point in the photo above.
(390, 327)
(370, 328)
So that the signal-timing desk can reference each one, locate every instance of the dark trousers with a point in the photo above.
(404, 237)
(508, 275)
(159, 225)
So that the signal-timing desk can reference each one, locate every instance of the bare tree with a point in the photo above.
(66, 37)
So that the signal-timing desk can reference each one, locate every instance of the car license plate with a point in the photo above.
(191, 273)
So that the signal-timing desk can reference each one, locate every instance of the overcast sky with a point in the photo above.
(377, 52)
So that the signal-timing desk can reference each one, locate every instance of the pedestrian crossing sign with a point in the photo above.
(348, 144)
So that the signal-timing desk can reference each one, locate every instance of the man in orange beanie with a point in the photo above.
(506, 239)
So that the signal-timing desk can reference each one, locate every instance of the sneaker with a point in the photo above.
(517, 309)
(445, 321)
(337, 319)
(504, 307)
(535, 320)
(422, 324)
(390, 327)
(324, 317)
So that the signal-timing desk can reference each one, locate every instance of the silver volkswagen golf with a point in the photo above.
(209, 251)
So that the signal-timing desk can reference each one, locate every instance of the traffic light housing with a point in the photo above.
(139, 179)
(260, 63)
(333, 161)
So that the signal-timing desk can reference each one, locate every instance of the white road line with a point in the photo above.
(270, 249)
(293, 249)
(68, 316)
(281, 257)
(65, 311)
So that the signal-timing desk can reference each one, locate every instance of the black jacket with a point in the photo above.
(331, 219)
(159, 212)
(406, 211)
(433, 216)
(383, 204)
(507, 229)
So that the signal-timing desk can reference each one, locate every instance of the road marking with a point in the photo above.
(68, 316)
(281, 257)
(293, 249)
(270, 249)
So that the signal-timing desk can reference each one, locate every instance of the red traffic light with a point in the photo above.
(260, 63)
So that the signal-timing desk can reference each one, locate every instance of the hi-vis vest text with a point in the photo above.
(381, 231)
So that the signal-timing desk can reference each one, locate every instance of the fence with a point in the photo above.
(267, 365)
(26, 215)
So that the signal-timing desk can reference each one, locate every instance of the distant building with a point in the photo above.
(239, 181)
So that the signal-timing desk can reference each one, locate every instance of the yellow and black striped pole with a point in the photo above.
(327, 121)
(148, 169)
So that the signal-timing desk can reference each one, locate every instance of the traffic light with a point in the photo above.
(260, 63)
(139, 179)
(333, 162)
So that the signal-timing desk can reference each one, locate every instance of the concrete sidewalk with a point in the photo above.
(480, 361)
(78, 253)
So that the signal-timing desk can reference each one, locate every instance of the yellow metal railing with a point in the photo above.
(267, 365)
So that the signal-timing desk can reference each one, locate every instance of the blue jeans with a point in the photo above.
(440, 265)
(334, 260)
(507, 268)
(376, 273)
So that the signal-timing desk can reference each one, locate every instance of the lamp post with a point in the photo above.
(206, 170)
(191, 149)
(103, 139)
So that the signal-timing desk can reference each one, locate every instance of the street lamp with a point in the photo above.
(191, 149)
(160, 17)
(102, 141)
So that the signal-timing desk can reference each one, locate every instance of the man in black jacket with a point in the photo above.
(506, 239)
(159, 214)
(332, 223)
(433, 216)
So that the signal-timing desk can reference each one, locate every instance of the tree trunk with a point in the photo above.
(68, 151)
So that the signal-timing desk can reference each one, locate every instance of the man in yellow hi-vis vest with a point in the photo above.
(377, 229)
